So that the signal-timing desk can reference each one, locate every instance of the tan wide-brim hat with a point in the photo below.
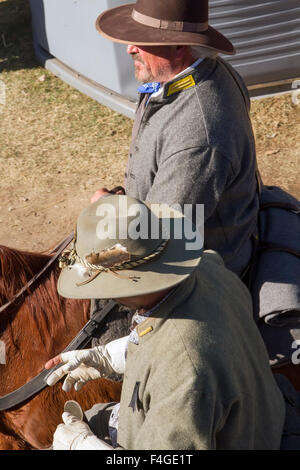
(162, 22)
(154, 261)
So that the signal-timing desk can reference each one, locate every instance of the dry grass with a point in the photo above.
(276, 123)
(57, 146)
(54, 136)
(51, 134)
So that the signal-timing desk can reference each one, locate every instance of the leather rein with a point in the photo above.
(39, 382)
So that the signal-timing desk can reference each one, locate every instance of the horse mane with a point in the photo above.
(18, 267)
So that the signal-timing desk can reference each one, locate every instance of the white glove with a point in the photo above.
(89, 364)
(76, 435)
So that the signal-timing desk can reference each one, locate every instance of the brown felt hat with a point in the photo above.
(162, 22)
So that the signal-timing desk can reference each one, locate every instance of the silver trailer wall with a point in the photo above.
(65, 30)
(266, 35)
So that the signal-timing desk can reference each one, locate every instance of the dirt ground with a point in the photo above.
(58, 146)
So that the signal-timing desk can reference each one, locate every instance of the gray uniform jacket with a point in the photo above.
(200, 377)
(194, 144)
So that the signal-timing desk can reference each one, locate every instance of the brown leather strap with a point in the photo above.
(258, 180)
(117, 189)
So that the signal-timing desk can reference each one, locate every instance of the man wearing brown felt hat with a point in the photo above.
(192, 140)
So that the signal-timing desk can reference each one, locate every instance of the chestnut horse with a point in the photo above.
(33, 330)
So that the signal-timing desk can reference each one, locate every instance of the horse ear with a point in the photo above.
(5, 262)
(10, 278)
(2, 262)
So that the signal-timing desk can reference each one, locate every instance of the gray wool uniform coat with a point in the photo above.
(200, 377)
(193, 144)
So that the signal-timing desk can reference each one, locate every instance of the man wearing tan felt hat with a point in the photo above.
(195, 370)
(192, 140)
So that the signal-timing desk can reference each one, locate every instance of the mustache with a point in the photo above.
(136, 57)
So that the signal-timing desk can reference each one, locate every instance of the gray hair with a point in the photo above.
(202, 52)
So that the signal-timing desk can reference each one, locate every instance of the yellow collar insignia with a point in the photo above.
(143, 333)
(181, 84)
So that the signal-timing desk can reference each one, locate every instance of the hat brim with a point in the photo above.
(171, 267)
(117, 25)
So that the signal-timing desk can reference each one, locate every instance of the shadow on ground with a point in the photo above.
(16, 44)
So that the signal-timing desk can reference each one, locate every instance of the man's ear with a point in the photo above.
(182, 51)
(183, 55)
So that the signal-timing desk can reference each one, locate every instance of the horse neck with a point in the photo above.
(43, 323)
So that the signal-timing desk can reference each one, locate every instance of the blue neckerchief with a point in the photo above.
(150, 88)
